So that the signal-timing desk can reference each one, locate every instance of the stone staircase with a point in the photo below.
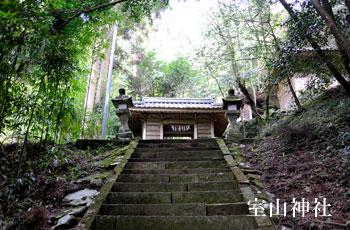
(175, 184)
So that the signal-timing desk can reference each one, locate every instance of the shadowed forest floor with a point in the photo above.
(33, 198)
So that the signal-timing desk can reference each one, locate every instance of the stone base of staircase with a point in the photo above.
(176, 184)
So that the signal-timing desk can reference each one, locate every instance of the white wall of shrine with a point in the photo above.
(200, 127)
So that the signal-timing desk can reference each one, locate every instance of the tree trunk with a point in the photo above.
(23, 156)
(109, 82)
(59, 115)
(347, 3)
(297, 102)
(330, 22)
(93, 60)
(250, 99)
(344, 55)
(267, 100)
(337, 75)
(216, 81)
(254, 92)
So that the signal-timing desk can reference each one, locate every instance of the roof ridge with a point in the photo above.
(185, 103)
(178, 98)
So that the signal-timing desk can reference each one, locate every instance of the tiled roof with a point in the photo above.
(177, 103)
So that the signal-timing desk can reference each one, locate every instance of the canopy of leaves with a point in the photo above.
(160, 78)
(45, 54)
(241, 42)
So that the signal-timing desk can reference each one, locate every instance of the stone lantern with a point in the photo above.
(122, 103)
(233, 104)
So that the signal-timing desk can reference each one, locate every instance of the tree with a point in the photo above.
(323, 57)
(242, 41)
(157, 78)
(174, 79)
(45, 51)
(328, 17)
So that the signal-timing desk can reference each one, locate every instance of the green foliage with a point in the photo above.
(45, 51)
(241, 40)
(160, 78)
(297, 56)
(174, 78)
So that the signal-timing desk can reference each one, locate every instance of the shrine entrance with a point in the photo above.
(177, 118)
(154, 118)
(178, 131)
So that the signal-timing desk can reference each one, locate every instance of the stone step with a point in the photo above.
(177, 143)
(172, 147)
(143, 178)
(176, 148)
(238, 208)
(177, 154)
(176, 171)
(213, 186)
(166, 178)
(175, 222)
(195, 178)
(189, 158)
(157, 141)
(174, 209)
(176, 165)
(154, 209)
(148, 187)
(176, 184)
(193, 144)
(174, 187)
(208, 197)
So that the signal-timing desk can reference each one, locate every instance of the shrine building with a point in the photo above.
(162, 118)
(165, 118)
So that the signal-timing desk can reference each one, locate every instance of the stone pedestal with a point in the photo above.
(233, 132)
(233, 104)
(122, 104)
(124, 132)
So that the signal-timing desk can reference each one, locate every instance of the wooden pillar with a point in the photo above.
(195, 127)
(143, 130)
(195, 135)
(161, 134)
(161, 124)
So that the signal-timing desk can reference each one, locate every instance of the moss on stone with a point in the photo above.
(96, 176)
(239, 158)
(264, 196)
(257, 183)
(235, 150)
(114, 156)
(89, 217)
(253, 176)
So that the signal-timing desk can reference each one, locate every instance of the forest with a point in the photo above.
(62, 62)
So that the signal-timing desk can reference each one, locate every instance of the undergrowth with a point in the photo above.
(307, 154)
(28, 193)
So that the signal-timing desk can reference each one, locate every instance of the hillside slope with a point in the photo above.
(307, 155)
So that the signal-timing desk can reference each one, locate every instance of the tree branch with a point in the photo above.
(247, 95)
(345, 56)
(347, 3)
(332, 68)
(337, 33)
(60, 26)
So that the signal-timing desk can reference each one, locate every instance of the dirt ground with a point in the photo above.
(304, 174)
(307, 155)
